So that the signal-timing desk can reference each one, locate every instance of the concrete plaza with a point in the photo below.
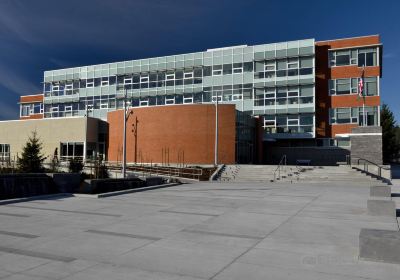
(196, 231)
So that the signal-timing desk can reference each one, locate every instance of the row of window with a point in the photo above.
(350, 86)
(361, 57)
(30, 109)
(72, 150)
(71, 109)
(289, 123)
(284, 95)
(357, 115)
(269, 69)
(4, 152)
(283, 67)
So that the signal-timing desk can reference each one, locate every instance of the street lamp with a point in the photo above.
(125, 119)
(89, 108)
(216, 132)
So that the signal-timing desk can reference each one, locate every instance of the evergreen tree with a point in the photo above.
(31, 160)
(390, 147)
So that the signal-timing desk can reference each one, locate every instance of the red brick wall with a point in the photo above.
(177, 128)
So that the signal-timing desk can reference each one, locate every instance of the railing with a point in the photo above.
(282, 162)
(167, 171)
(369, 167)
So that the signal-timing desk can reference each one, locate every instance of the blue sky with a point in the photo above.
(50, 34)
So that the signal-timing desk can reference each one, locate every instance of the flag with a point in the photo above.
(361, 86)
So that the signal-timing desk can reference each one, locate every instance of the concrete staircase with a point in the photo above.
(258, 173)
(291, 173)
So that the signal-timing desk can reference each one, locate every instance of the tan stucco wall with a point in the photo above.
(50, 131)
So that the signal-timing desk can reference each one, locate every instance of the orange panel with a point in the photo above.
(354, 101)
(186, 131)
(342, 128)
(31, 98)
(354, 71)
(351, 42)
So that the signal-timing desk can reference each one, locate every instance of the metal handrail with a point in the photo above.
(367, 163)
(278, 169)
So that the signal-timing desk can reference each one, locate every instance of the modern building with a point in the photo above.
(299, 98)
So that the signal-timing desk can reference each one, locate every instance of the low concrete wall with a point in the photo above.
(96, 186)
(380, 191)
(66, 182)
(380, 245)
(25, 185)
(381, 207)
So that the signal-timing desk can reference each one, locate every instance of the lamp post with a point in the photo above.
(89, 108)
(216, 133)
(125, 119)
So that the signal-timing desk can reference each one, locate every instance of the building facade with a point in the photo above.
(294, 94)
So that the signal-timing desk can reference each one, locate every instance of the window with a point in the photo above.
(281, 67)
(342, 58)
(343, 86)
(4, 152)
(104, 105)
(371, 86)
(188, 75)
(69, 150)
(216, 98)
(306, 65)
(69, 89)
(89, 83)
(128, 81)
(170, 77)
(25, 110)
(169, 100)
(354, 115)
(144, 79)
(237, 96)
(227, 69)
(104, 82)
(143, 103)
(187, 98)
(237, 68)
(367, 57)
(343, 142)
(217, 70)
(357, 56)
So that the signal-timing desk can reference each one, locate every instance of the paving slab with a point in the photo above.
(249, 230)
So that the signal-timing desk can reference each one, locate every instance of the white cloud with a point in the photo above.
(16, 83)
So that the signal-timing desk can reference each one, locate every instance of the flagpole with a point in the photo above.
(363, 96)
(365, 117)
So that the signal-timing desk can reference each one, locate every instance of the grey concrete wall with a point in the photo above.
(367, 146)
(317, 155)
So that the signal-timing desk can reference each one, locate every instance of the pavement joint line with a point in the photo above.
(18, 234)
(189, 213)
(36, 254)
(14, 215)
(129, 235)
(223, 234)
(258, 242)
(66, 211)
